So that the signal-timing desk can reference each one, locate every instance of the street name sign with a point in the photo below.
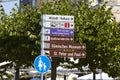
(60, 53)
(75, 46)
(59, 31)
(42, 63)
(58, 38)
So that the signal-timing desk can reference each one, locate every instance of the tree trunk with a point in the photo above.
(53, 68)
(17, 74)
(64, 76)
(94, 77)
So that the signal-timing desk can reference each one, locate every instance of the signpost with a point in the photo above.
(57, 40)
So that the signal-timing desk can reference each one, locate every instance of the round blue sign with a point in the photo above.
(42, 63)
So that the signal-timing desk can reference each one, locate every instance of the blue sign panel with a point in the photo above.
(59, 31)
(42, 64)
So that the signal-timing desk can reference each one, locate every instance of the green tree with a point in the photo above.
(19, 37)
(95, 26)
(98, 28)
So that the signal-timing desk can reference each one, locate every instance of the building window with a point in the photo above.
(100, 1)
(30, 2)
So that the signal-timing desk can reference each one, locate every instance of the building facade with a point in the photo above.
(115, 7)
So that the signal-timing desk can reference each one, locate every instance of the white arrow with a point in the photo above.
(83, 54)
(47, 31)
(71, 32)
(83, 47)
(71, 39)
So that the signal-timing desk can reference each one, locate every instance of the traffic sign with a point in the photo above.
(42, 63)
(58, 32)
(58, 38)
(75, 46)
(61, 53)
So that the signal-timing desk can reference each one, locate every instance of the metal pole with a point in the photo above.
(53, 69)
(94, 76)
(101, 74)
(41, 76)
(64, 76)
(42, 46)
(17, 74)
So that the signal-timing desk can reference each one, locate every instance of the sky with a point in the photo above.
(9, 5)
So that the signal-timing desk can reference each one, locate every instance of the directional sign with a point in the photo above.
(42, 63)
(64, 25)
(59, 32)
(75, 46)
(58, 38)
(59, 53)
(56, 18)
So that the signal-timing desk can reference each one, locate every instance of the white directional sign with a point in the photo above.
(64, 25)
(58, 18)
(58, 25)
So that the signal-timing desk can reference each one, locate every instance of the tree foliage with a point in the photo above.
(19, 36)
(95, 26)
(98, 29)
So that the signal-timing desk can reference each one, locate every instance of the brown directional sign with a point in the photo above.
(74, 46)
(58, 38)
(58, 53)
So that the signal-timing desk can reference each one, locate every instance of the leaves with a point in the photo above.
(19, 34)
(95, 26)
